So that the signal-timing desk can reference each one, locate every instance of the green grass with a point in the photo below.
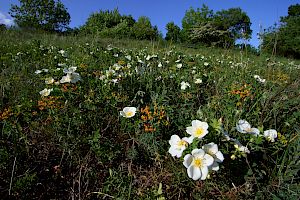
(74, 143)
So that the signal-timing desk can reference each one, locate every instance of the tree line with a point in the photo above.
(200, 26)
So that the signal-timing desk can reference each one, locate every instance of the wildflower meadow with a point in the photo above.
(90, 118)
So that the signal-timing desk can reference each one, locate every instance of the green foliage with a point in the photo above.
(74, 143)
(194, 18)
(284, 40)
(143, 30)
(121, 30)
(48, 15)
(173, 32)
(24, 182)
(208, 34)
(294, 11)
(99, 21)
(235, 21)
(222, 28)
(113, 24)
(2, 27)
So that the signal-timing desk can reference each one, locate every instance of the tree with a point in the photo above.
(195, 18)
(108, 23)
(48, 15)
(173, 33)
(143, 30)
(2, 27)
(209, 34)
(235, 21)
(129, 20)
(222, 28)
(284, 40)
(293, 11)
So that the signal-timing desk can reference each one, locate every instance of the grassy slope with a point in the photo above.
(76, 145)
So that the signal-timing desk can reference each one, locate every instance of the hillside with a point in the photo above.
(66, 132)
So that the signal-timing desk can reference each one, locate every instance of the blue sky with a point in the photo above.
(264, 12)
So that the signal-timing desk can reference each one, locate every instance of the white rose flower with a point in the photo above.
(178, 145)
(244, 127)
(45, 92)
(128, 112)
(198, 129)
(270, 135)
(197, 164)
(184, 85)
(212, 149)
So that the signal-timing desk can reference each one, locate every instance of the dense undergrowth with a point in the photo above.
(72, 142)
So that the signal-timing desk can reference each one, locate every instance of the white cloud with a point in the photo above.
(5, 19)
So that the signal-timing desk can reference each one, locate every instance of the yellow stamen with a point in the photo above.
(198, 162)
(182, 143)
(199, 132)
(129, 114)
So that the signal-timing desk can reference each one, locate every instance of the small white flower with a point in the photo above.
(206, 64)
(244, 127)
(148, 57)
(110, 72)
(158, 78)
(140, 61)
(45, 92)
(102, 77)
(159, 64)
(63, 53)
(61, 64)
(212, 149)
(49, 80)
(45, 70)
(198, 129)
(178, 145)
(270, 135)
(38, 71)
(184, 85)
(179, 65)
(65, 79)
(70, 78)
(262, 80)
(198, 81)
(114, 80)
(197, 164)
(109, 47)
(128, 112)
(259, 79)
(128, 57)
(75, 77)
(69, 70)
